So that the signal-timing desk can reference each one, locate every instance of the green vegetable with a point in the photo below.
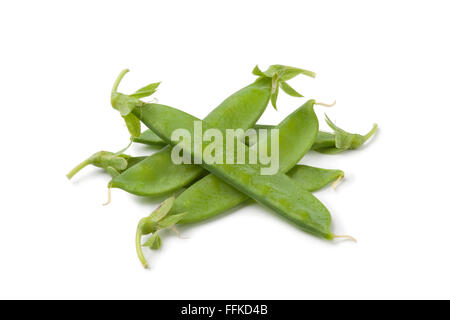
(113, 162)
(211, 196)
(158, 175)
(156, 221)
(125, 105)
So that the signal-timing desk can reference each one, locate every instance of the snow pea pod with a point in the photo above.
(309, 178)
(278, 192)
(324, 140)
(210, 195)
(158, 175)
(134, 160)
(150, 138)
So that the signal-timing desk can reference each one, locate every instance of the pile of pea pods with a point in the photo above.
(205, 189)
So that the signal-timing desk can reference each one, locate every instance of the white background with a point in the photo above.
(383, 61)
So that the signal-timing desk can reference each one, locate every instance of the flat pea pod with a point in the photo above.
(278, 191)
(210, 195)
(158, 175)
(150, 138)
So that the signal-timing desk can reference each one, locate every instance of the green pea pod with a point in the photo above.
(211, 196)
(113, 163)
(134, 160)
(158, 175)
(278, 192)
(309, 178)
(150, 138)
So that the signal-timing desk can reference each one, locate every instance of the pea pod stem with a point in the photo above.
(80, 166)
(139, 246)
